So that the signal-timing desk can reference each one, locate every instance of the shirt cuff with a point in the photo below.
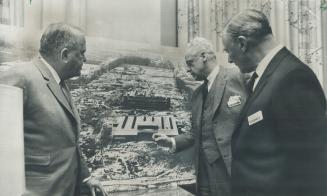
(173, 146)
(86, 179)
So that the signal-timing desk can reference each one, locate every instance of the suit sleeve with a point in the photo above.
(299, 106)
(186, 139)
(13, 77)
(84, 170)
(299, 114)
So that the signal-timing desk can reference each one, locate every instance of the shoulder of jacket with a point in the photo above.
(21, 71)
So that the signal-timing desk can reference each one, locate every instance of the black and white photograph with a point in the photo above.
(163, 97)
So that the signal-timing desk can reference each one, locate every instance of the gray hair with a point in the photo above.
(199, 45)
(58, 36)
(250, 23)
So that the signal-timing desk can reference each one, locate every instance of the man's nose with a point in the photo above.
(188, 69)
(84, 59)
(230, 59)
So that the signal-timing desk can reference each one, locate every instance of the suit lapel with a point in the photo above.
(197, 107)
(214, 97)
(53, 86)
(217, 90)
(275, 62)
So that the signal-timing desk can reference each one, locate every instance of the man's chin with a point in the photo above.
(246, 69)
(76, 74)
(197, 78)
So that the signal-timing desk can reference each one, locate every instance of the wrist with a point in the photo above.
(172, 145)
(87, 179)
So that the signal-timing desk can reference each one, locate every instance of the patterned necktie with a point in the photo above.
(251, 82)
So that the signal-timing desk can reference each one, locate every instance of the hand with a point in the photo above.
(93, 185)
(162, 140)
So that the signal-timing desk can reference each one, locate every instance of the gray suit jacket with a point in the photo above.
(53, 161)
(229, 82)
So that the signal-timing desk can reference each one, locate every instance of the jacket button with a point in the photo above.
(225, 155)
(220, 139)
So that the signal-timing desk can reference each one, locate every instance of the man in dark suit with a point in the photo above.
(216, 105)
(279, 145)
(53, 162)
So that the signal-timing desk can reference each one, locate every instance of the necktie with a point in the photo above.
(205, 90)
(65, 91)
(251, 82)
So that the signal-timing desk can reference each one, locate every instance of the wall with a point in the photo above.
(295, 23)
(169, 23)
(124, 23)
(127, 20)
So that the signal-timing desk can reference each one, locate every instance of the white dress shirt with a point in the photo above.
(52, 71)
(265, 62)
(211, 78)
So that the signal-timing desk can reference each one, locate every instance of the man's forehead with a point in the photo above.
(191, 52)
(189, 56)
(227, 40)
(81, 42)
(225, 37)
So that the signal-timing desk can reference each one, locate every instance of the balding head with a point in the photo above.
(200, 45)
(247, 38)
(200, 57)
(58, 36)
(63, 47)
(249, 23)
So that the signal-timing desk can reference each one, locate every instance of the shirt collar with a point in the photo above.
(52, 71)
(212, 76)
(266, 60)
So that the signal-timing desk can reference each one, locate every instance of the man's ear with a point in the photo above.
(243, 43)
(204, 57)
(64, 55)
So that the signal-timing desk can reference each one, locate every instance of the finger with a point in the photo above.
(99, 188)
(155, 135)
(93, 191)
(104, 193)
(159, 139)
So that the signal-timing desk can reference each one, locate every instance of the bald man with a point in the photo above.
(216, 105)
(279, 145)
(53, 161)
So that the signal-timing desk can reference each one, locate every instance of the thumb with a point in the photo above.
(156, 135)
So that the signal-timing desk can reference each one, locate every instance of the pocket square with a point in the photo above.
(234, 101)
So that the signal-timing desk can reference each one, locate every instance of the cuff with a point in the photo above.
(173, 146)
(86, 179)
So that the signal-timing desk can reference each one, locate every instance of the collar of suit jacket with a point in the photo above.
(52, 71)
(212, 76)
(265, 62)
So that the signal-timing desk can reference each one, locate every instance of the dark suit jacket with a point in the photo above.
(229, 82)
(283, 154)
(53, 161)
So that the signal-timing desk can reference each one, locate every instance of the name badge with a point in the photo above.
(255, 118)
(234, 101)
